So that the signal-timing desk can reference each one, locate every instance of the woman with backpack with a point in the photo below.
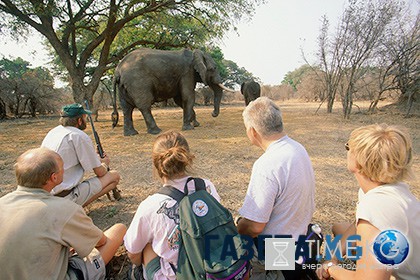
(153, 237)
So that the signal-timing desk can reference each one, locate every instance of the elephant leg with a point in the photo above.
(145, 109)
(195, 122)
(152, 127)
(128, 118)
(188, 118)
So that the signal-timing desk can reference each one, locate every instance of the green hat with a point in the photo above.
(74, 110)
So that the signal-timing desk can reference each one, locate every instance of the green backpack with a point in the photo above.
(203, 218)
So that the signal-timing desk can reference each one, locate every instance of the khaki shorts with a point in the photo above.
(85, 190)
(91, 267)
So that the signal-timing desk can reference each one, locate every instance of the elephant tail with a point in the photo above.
(114, 115)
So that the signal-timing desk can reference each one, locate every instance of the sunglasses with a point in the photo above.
(347, 146)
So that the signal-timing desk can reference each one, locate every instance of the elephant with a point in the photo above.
(145, 76)
(250, 90)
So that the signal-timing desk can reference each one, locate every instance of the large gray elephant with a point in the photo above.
(146, 76)
(250, 90)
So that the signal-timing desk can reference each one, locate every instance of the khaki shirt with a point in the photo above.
(37, 230)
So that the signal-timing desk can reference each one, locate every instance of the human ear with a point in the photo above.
(53, 177)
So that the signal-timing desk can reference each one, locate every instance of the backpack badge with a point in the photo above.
(200, 208)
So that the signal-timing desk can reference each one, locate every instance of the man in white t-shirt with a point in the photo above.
(281, 191)
(79, 155)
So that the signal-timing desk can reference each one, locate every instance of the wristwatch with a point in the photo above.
(237, 219)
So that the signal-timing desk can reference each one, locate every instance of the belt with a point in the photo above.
(64, 193)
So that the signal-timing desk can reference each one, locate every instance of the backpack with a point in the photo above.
(201, 218)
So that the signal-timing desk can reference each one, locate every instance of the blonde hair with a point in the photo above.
(34, 167)
(171, 154)
(383, 153)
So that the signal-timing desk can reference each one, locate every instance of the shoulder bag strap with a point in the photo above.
(172, 192)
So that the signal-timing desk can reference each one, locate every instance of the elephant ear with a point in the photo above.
(199, 65)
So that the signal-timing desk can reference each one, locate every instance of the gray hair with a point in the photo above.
(69, 121)
(264, 116)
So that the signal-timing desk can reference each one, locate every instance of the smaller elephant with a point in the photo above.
(250, 90)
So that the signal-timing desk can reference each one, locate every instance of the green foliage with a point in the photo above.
(294, 78)
(237, 75)
(88, 38)
(230, 72)
(13, 69)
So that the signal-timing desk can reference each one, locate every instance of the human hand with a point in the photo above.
(322, 272)
(105, 159)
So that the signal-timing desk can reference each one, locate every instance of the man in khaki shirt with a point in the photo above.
(40, 232)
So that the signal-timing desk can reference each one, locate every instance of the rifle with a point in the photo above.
(115, 192)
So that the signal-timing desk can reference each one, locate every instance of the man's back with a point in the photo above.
(77, 151)
(282, 188)
(37, 231)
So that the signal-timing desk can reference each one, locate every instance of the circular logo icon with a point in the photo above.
(200, 208)
(391, 247)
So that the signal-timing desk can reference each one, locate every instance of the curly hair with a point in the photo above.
(171, 154)
(383, 153)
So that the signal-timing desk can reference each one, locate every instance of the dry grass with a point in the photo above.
(223, 154)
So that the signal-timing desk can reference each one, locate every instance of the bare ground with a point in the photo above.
(223, 154)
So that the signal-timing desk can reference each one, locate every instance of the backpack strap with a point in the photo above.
(177, 194)
(199, 183)
(172, 192)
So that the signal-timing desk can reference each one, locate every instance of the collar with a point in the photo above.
(32, 190)
(275, 142)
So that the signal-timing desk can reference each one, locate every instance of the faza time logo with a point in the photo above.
(281, 252)
(390, 248)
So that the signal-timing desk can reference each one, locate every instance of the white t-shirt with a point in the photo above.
(156, 222)
(77, 151)
(281, 190)
(393, 206)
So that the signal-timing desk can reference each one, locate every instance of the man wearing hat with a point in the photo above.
(79, 155)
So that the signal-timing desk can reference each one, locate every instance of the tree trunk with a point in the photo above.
(2, 109)
(330, 104)
(32, 106)
(82, 92)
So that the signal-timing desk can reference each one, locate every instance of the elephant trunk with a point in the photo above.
(218, 93)
(217, 100)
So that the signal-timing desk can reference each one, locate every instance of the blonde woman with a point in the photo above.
(380, 157)
(152, 239)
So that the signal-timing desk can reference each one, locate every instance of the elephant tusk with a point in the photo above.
(225, 88)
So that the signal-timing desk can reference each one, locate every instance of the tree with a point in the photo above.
(405, 64)
(294, 78)
(23, 89)
(345, 58)
(310, 88)
(89, 37)
(237, 75)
